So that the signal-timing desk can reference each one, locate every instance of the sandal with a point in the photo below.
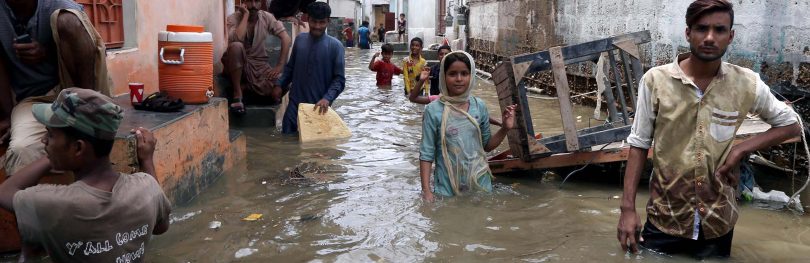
(237, 107)
(160, 102)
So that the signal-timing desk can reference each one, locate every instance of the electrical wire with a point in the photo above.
(792, 204)
(795, 195)
(584, 166)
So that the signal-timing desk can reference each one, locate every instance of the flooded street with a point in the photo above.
(365, 205)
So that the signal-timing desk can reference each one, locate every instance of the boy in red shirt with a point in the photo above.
(348, 34)
(384, 68)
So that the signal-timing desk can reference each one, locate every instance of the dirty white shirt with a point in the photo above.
(770, 110)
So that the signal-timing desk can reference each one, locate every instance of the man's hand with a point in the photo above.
(508, 118)
(145, 142)
(275, 73)
(323, 104)
(727, 170)
(30, 53)
(242, 9)
(5, 130)
(376, 55)
(629, 230)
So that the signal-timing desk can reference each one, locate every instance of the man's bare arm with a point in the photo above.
(24, 178)
(241, 28)
(771, 137)
(629, 221)
(286, 41)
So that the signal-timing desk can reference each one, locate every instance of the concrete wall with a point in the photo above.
(422, 20)
(513, 27)
(771, 35)
(345, 8)
(138, 63)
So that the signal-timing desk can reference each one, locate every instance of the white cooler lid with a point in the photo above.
(185, 37)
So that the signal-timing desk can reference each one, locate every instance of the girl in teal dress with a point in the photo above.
(455, 133)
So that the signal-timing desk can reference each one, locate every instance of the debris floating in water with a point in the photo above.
(215, 225)
(252, 217)
(474, 247)
(311, 172)
(244, 252)
(185, 217)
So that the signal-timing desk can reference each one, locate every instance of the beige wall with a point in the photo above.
(139, 63)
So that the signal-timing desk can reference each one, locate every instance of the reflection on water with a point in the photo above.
(367, 208)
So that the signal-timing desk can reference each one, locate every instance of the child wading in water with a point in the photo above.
(456, 135)
(432, 73)
(384, 68)
(412, 67)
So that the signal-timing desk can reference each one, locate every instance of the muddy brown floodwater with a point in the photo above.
(364, 205)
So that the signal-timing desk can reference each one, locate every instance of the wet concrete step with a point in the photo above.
(399, 46)
(256, 116)
(194, 146)
(426, 54)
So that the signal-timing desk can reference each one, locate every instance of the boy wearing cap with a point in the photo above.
(104, 216)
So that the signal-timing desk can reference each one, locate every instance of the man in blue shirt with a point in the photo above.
(365, 36)
(316, 68)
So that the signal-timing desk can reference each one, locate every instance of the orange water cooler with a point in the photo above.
(186, 63)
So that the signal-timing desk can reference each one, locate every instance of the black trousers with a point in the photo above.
(701, 248)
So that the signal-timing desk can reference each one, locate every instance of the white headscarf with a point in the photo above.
(460, 99)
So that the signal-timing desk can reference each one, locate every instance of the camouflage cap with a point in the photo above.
(85, 110)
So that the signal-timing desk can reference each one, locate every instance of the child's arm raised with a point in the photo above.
(414, 95)
(508, 122)
(373, 59)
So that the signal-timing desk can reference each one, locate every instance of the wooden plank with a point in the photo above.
(564, 96)
(591, 139)
(631, 87)
(541, 61)
(629, 47)
(506, 96)
(611, 101)
(499, 75)
(609, 155)
(559, 160)
(638, 71)
(621, 98)
(536, 149)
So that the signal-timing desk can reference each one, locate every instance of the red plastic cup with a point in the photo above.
(135, 92)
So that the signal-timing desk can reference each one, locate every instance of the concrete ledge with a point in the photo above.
(399, 46)
(192, 146)
(426, 54)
